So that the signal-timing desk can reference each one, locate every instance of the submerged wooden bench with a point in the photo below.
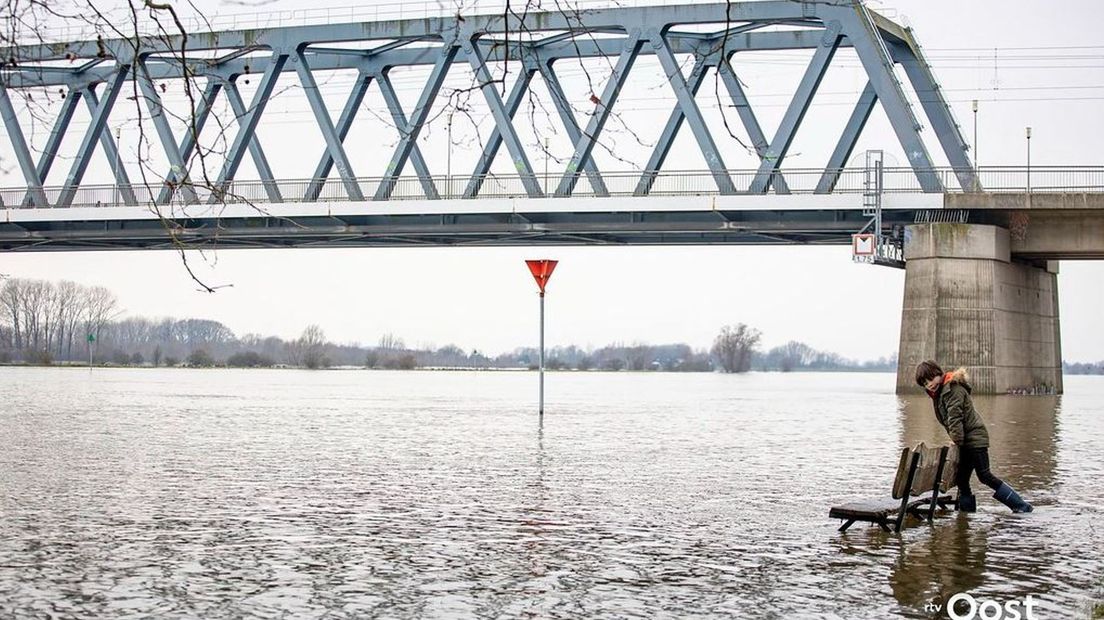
(920, 471)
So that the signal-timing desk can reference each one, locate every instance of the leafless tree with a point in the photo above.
(312, 348)
(638, 355)
(11, 303)
(451, 355)
(100, 307)
(43, 316)
(391, 342)
(140, 22)
(69, 311)
(734, 347)
(794, 354)
(136, 23)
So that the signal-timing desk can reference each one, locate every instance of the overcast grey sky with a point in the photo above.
(1027, 62)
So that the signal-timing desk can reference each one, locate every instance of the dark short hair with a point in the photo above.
(926, 371)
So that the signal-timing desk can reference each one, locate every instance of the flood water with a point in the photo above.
(225, 494)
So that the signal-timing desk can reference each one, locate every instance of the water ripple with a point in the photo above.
(269, 494)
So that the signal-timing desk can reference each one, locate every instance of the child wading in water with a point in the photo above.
(950, 393)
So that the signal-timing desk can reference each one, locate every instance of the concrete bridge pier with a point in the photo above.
(969, 303)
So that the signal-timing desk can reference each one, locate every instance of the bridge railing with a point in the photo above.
(616, 184)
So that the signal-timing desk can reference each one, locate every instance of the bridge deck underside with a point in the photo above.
(473, 229)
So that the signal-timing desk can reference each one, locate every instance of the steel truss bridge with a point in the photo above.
(654, 205)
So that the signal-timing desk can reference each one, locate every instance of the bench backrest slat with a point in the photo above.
(950, 470)
(923, 480)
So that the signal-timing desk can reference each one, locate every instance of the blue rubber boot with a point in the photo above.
(967, 503)
(1009, 497)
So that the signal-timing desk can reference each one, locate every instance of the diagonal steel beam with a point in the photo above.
(22, 153)
(930, 94)
(408, 148)
(494, 142)
(874, 56)
(748, 118)
(92, 136)
(191, 135)
(848, 139)
(57, 134)
(670, 131)
(571, 126)
(249, 121)
(503, 121)
(179, 175)
(325, 123)
(787, 129)
(344, 122)
(584, 146)
(111, 150)
(692, 112)
(268, 180)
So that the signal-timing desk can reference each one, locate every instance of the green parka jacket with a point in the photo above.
(955, 411)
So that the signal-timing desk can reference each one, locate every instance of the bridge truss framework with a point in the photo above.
(98, 71)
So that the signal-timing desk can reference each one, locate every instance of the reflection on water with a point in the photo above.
(353, 494)
(949, 560)
(1023, 433)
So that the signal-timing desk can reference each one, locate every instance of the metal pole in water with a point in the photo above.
(542, 271)
(541, 409)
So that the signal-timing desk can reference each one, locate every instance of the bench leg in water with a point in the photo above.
(943, 452)
(847, 524)
(884, 526)
(902, 512)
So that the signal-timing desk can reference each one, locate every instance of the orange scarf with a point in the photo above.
(946, 377)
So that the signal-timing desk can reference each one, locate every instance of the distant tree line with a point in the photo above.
(1083, 368)
(736, 349)
(42, 323)
(800, 356)
(617, 356)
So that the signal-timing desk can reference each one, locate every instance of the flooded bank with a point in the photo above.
(221, 493)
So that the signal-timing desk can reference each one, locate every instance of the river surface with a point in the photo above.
(344, 494)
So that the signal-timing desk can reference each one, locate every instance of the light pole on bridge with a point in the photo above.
(975, 107)
(546, 166)
(448, 161)
(118, 162)
(1028, 160)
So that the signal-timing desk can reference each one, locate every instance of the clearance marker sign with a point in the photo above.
(862, 245)
(863, 248)
(542, 271)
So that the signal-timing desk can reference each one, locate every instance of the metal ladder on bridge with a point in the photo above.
(873, 178)
(889, 250)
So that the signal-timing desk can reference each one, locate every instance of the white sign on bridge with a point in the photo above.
(863, 248)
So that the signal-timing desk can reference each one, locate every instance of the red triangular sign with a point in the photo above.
(542, 271)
